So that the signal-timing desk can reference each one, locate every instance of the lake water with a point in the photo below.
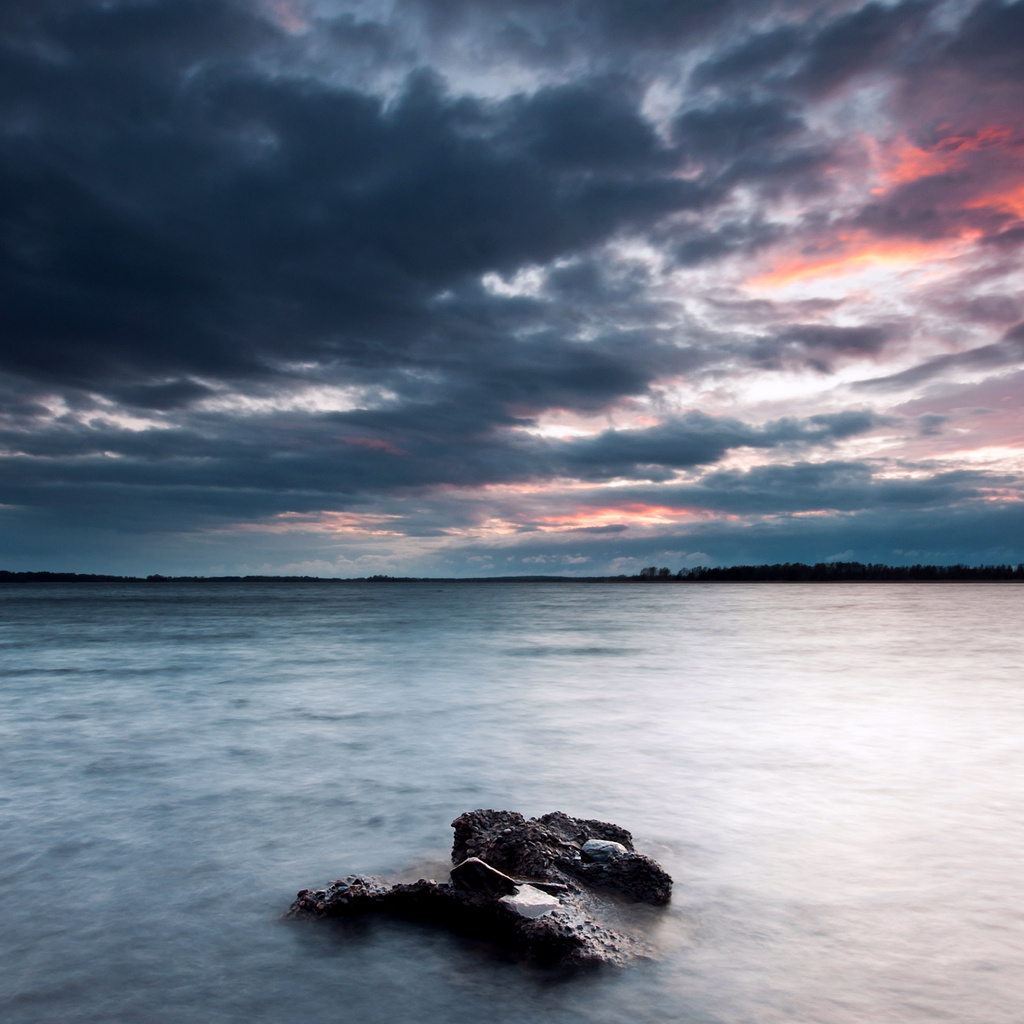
(832, 774)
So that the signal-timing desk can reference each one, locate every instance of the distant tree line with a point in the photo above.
(89, 577)
(784, 572)
(834, 572)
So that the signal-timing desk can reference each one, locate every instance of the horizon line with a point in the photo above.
(784, 572)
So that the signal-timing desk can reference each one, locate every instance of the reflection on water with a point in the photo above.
(832, 774)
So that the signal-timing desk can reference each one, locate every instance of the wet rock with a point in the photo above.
(478, 875)
(536, 885)
(551, 848)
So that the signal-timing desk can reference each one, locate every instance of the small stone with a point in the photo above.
(603, 850)
(530, 902)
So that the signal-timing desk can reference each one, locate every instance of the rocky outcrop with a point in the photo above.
(541, 886)
(555, 847)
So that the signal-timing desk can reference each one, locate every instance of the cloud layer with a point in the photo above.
(469, 287)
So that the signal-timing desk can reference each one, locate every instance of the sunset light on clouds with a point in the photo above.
(432, 288)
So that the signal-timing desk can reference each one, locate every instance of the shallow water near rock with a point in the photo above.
(831, 774)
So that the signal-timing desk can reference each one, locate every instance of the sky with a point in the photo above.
(501, 287)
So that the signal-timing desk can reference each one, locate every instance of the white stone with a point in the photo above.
(603, 849)
(528, 901)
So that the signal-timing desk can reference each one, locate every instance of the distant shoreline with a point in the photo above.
(788, 572)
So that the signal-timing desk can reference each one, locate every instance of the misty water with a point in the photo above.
(832, 774)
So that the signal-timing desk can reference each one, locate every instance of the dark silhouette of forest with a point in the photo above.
(835, 572)
(784, 572)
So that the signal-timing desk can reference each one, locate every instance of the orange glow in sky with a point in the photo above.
(899, 163)
(854, 253)
(903, 162)
(633, 513)
(907, 162)
(1011, 201)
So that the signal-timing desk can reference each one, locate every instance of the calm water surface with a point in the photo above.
(832, 774)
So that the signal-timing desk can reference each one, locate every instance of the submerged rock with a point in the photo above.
(539, 885)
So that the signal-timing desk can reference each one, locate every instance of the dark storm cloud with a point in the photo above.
(990, 41)
(593, 126)
(858, 42)
(831, 486)
(818, 346)
(729, 239)
(751, 59)
(89, 293)
(172, 212)
(798, 512)
(662, 22)
(544, 28)
(375, 39)
(174, 394)
(697, 439)
(743, 140)
(169, 210)
(217, 470)
(732, 128)
(569, 377)
(804, 487)
(638, 32)
(815, 58)
(1008, 352)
